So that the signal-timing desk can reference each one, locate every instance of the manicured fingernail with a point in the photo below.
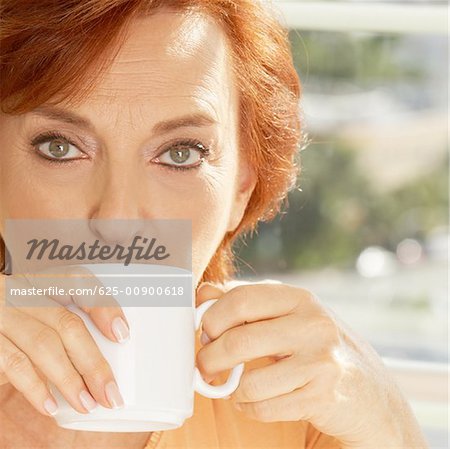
(202, 285)
(204, 338)
(113, 395)
(50, 406)
(120, 329)
(88, 401)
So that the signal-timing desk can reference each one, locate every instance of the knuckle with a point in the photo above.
(45, 337)
(281, 290)
(329, 370)
(239, 300)
(334, 333)
(237, 343)
(329, 330)
(35, 385)
(70, 379)
(69, 322)
(99, 370)
(329, 366)
(16, 361)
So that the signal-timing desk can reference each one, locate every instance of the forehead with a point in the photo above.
(170, 56)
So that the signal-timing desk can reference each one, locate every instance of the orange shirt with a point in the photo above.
(217, 424)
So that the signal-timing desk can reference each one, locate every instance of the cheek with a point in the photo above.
(28, 188)
(25, 192)
(207, 200)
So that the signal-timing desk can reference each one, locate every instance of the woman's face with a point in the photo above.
(157, 138)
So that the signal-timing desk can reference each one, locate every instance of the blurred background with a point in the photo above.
(367, 227)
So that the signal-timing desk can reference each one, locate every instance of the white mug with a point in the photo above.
(155, 369)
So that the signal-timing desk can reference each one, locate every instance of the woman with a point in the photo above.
(174, 109)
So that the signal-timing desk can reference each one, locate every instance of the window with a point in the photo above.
(367, 230)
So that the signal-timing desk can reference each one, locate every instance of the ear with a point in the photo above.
(245, 184)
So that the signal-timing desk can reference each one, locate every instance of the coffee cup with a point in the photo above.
(155, 368)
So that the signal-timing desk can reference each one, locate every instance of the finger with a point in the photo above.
(251, 341)
(104, 310)
(85, 289)
(287, 407)
(19, 371)
(79, 347)
(272, 380)
(44, 348)
(249, 303)
(208, 290)
(205, 292)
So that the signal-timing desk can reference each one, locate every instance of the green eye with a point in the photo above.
(180, 155)
(58, 148)
(183, 155)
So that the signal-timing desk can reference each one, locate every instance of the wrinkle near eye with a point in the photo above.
(154, 77)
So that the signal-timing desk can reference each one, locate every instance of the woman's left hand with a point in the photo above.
(321, 372)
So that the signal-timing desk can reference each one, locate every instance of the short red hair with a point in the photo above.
(48, 48)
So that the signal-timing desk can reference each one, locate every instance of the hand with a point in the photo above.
(321, 372)
(49, 341)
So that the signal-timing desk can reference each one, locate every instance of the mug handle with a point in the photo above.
(200, 386)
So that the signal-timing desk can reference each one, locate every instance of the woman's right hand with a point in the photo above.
(51, 341)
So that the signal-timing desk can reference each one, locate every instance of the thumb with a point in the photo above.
(208, 290)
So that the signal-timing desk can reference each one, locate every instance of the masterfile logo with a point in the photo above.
(38, 244)
(146, 263)
(53, 249)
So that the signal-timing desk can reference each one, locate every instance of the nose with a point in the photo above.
(117, 214)
(116, 231)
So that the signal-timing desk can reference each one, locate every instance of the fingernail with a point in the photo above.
(113, 395)
(50, 406)
(204, 338)
(120, 329)
(87, 400)
(202, 285)
(238, 406)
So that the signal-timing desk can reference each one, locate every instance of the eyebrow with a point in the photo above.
(198, 119)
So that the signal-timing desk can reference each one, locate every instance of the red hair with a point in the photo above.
(48, 48)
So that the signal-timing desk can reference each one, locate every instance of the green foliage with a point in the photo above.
(337, 214)
(359, 58)
(414, 209)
